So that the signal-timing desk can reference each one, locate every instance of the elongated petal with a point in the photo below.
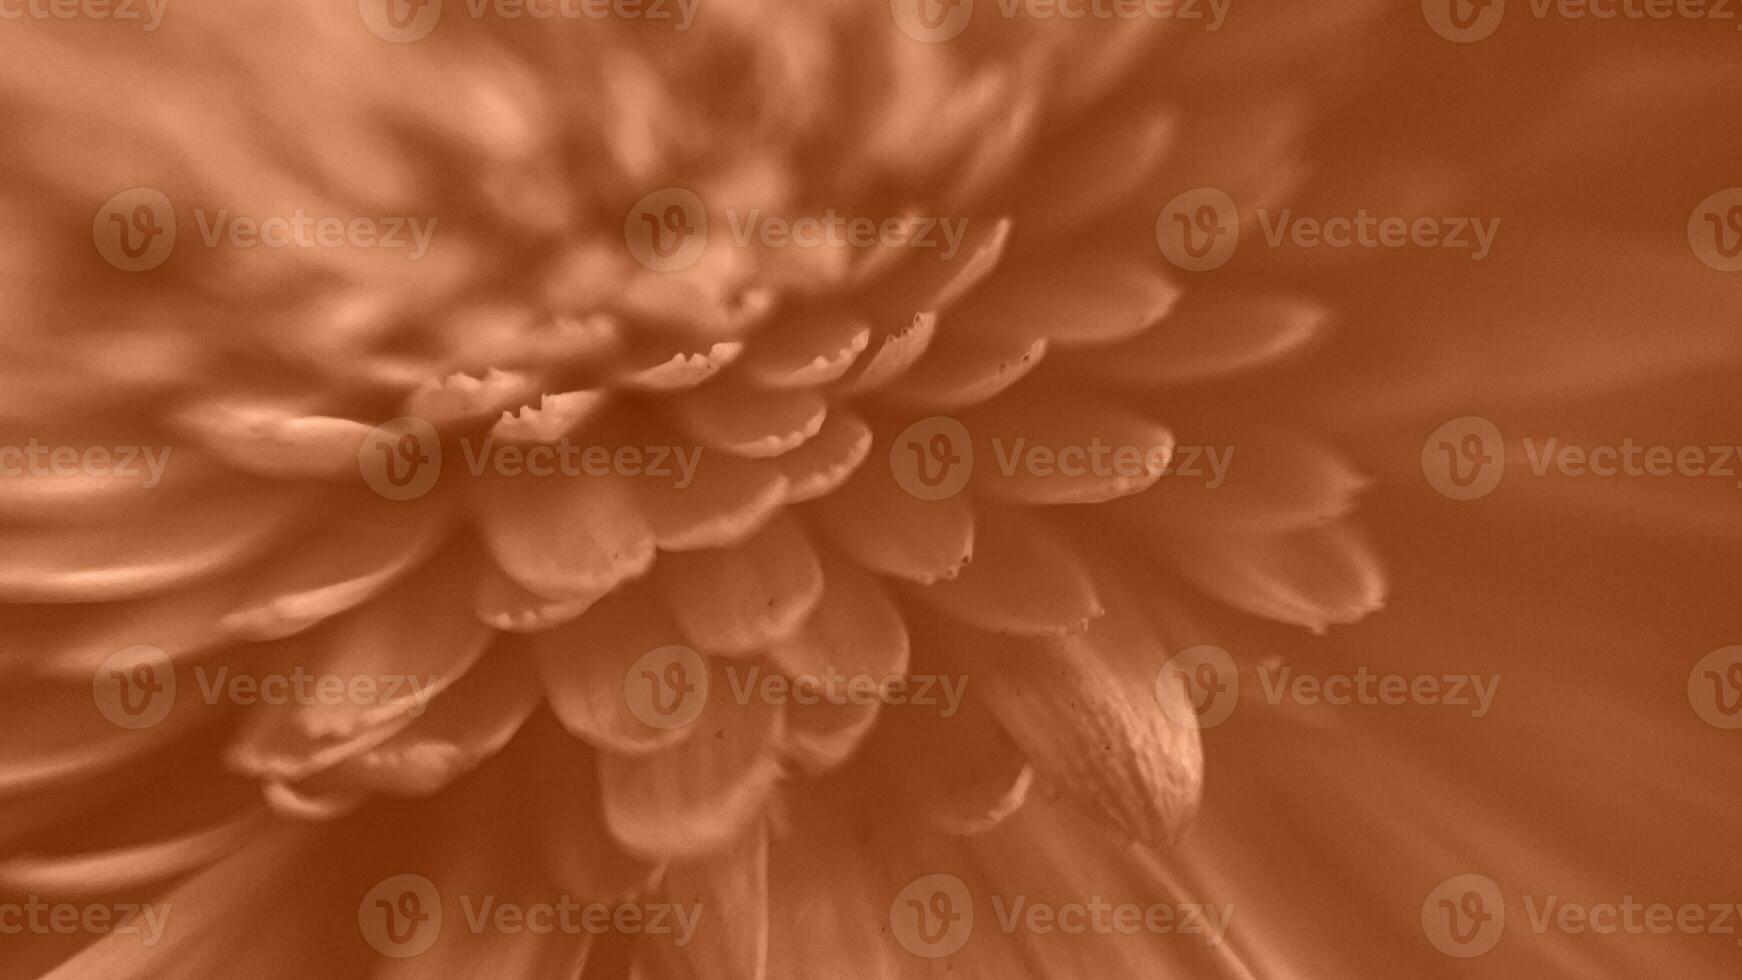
(1315, 578)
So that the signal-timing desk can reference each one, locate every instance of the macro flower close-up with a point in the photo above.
(768, 488)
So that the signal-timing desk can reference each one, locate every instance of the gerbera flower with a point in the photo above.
(581, 505)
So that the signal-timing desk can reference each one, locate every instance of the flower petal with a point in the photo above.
(806, 349)
(855, 632)
(1314, 578)
(1212, 335)
(743, 598)
(1087, 299)
(360, 547)
(565, 538)
(884, 528)
(1046, 452)
(736, 418)
(821, 465)
(687, 800)
(728, 893)
(586, 665)
(1025, 580)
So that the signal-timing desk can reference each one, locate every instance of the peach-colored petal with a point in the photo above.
(587, 665)
(821, 465)
(731, 937)
(876, 523)
(1077, 452)
(741, 599)
(565, 538)
(687, 800)
(1025, 580)
(734, 418)
(1315, 578)
(807, 349)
